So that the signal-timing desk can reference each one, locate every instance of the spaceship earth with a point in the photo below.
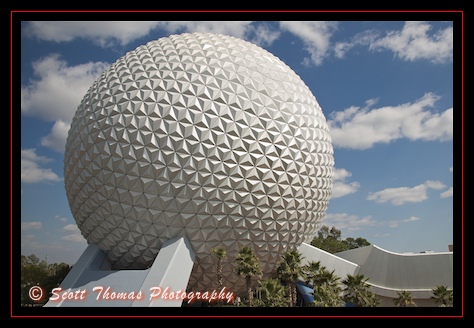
(200, 135)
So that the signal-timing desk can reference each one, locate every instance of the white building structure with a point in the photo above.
(388, 272)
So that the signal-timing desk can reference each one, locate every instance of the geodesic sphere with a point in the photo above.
(199, 135)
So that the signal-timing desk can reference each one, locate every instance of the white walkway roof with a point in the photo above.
(389, 272)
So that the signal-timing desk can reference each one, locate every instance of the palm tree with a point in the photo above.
(311, 272)
(326, 287)
(327, 292)
(358, 291)
(220, 253)
(443, 295)
(327, 296)
(271, 293)
(248, 265)
(404, 299)
(290, 270)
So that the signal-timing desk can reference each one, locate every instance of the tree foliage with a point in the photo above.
(404, 299)
(220, 253)
(329, 240)
(271, 293)
(443, 296)
(36, 272)
(358, 291)
(290, 270)
(248, 265)
(327, 291)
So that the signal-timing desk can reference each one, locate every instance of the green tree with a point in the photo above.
(443, 295)
(351, 243)
(327, 296)
(330, 241)
(248, 266)
(271, 292)
(290, 270)
(404, 299)
(220, 254)
(311, 272)
(35, 272)
(358, 292)
(326, 285)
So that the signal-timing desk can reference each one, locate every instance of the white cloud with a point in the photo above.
(75, 234)
(362, 128)
(264, 35)
(412, 219)
(434, 185)
(56, 93)
(341, 174)
(340, 187)
(348, 223)
(104, 34)
(413, 42)
(58, 89)
(360, 39)
(77, 238)
(401, 195)
(448, 193)
(315, 36)
(31, 226)
(344, 221)
(234, 28)
(62, 219)
(395, 224)
(57, 138)
(112, 33)
(261, 34)
(71, 227)
(32, 172)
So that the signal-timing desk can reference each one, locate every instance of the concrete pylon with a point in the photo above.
(92, 283)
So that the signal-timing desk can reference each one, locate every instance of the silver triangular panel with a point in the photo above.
(204, 135)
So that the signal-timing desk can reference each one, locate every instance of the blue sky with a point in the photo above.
(387, 89)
